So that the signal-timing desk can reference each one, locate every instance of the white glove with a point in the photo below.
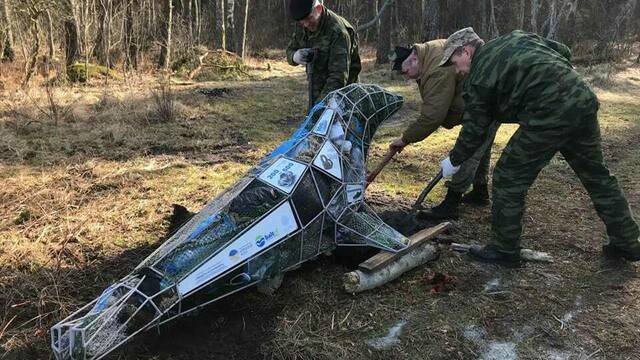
(447, 167)
(303, 56)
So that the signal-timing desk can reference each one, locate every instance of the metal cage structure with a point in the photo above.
(304, 198)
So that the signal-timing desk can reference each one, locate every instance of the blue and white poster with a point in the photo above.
(275, 226)
(322, 126)
(328, 160)
(284, 174)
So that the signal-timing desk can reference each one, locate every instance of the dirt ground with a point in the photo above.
(87, 195)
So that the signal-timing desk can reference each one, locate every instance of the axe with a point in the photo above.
(387, 157)
(310, 78)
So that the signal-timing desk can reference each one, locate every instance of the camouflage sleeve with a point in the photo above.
(339, 63)
(560, 48)
(436, 100)
(295, 43)
(476, 121)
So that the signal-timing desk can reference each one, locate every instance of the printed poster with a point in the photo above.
(284, 174)
(275, 226)
(329, 160)
(322, 126)
(355, 193)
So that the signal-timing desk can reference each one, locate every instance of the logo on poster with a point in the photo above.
(326, 162)
(234, 255)
(261, 240)
(287, 178)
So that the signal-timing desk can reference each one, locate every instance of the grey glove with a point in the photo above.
(303, 56)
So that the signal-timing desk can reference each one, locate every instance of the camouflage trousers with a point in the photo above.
(476, 169)
(528, 151)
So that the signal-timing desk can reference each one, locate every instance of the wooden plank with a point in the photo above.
(385, 257)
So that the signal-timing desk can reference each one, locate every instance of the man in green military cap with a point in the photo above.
(442, 106)
(328, 42)
(526, 79)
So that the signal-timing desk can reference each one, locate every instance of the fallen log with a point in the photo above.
(358, 281)
(387, 266)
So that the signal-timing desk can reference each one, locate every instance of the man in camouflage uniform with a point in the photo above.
(526, 79)
(442, 106)
(328, 42)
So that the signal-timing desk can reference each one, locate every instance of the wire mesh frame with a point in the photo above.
(342, 172)
(236, 190)
(116, 308)
(250, 225)
(179, 236)
(74, 316)
(370, 241)
(249, 284)
(376, 228)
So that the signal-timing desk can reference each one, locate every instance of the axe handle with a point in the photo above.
(309, 69)
(427, 190)
(387, 157)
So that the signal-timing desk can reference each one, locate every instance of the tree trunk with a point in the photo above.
(535, 7)
(483, 16)
(521, 14)
(165, 51)
(376, 19)
(31, 66)
(230, 25)
(244, 29)
(553, 19)
(220, 23)
(52, 51)
(431, 19)
(71, 40)
(131, 48)
(358, 280)
(8, 53)
(493, 25)
(384, 39)
(190, 20)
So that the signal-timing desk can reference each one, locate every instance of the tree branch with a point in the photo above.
(374, 21)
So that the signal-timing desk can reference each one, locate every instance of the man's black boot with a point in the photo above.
(447, 209)
(491, 254)
(478, 196)
(628, 252)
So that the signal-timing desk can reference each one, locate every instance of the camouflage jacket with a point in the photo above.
(520, 78)
(337, 62)
(441, 93)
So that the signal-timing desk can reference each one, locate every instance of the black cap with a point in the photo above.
(300, 9)
(399, 55)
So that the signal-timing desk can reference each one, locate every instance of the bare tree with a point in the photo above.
(70, 26)
(230, 25)
(244, 28)
(431, 19)
(521, 12)
(493, 25)
(130, 40)
(535, 7)
(7, 53)
(165, 50)
(33, 10)
(376, 20)
(384, 39)
(220, 22)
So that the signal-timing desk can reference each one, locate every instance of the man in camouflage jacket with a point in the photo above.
(328, 42)
(442, 106)
(526, 79)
